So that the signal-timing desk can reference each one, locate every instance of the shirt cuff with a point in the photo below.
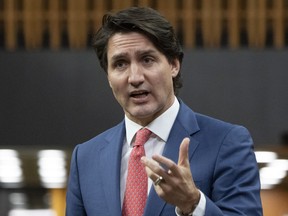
(200, 208)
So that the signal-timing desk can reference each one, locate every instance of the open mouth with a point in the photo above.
(139, 94)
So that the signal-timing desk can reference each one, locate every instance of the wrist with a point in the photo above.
(179, 212)
(188, 212)
(191, 206)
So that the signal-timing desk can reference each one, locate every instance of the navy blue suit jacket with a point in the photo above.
(222, 162)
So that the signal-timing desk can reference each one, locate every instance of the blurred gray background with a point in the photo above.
(62, 98)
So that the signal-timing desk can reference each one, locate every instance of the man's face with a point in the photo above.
(140, 76)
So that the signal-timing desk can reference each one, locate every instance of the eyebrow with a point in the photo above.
(146, 52)
(138, 53)
(118, 56)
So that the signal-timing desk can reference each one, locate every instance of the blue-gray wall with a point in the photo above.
(62, 98)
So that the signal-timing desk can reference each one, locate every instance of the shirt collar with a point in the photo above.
(161, 126)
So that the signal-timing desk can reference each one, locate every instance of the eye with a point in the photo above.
(120, 65)
(148, 60)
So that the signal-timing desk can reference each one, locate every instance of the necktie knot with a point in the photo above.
(142, 136)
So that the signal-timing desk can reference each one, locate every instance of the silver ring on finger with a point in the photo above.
(158, 180)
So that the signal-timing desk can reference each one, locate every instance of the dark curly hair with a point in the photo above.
(143, 20)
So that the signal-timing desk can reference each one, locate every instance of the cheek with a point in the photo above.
(112, 81)
(112, 85)
(117, 85)
(163, 80)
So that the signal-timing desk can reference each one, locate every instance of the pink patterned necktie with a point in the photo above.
(137, 180)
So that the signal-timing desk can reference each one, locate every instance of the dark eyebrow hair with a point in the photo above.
(145, 52)
(138, 53)
(119, 56)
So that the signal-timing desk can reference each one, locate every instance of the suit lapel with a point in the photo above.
(110, 162)
(185, 125)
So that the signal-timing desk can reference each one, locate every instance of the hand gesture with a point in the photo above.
(174, 183)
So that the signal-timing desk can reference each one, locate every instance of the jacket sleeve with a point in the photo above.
(74, 203)
(236, 184)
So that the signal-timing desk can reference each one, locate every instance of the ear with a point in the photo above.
(109, 81)
(175, 67)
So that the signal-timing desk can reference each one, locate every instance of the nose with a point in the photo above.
(136, 76)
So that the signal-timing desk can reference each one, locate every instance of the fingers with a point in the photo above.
(183, 160)
(162, 166)
(168, 165)
(153, 169)
(173, 182)
(183, 153)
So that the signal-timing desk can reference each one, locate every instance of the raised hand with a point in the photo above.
(174, 182)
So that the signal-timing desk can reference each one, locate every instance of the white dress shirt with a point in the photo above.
(160, 128)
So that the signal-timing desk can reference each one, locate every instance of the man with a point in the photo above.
(194, 164)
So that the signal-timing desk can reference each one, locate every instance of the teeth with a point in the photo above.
(139, 93)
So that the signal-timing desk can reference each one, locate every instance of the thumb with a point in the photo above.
(183, 153)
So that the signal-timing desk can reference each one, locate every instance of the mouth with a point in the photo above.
(139, 94)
